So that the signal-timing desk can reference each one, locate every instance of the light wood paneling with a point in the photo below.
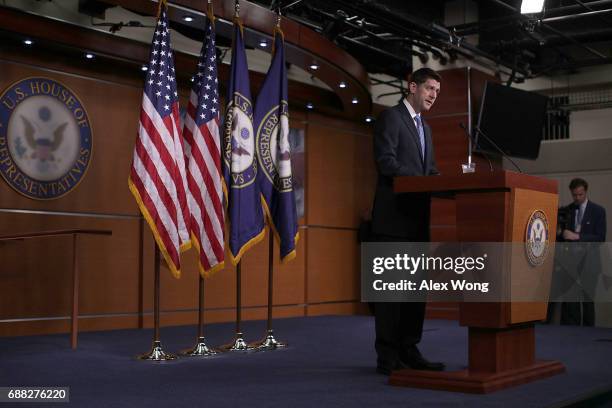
(333, 265)
(341, 176)
(168, 318)
(340, 308)
(113, 115)
(36, 277)
(220, 289)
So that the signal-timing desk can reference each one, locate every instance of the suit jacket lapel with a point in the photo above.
(412, 128)
(587, 213)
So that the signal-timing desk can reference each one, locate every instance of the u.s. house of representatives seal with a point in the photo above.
(239, 142)
(45, 138)
(274, 149)
(536, 238)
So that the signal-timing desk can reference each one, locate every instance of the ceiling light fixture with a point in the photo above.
(532, 6)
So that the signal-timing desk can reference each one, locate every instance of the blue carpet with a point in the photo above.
(330, 363)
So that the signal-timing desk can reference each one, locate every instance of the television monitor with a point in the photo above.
(513, 119)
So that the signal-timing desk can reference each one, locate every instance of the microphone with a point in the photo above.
(467, 133)
(499, 149)
(468, 167)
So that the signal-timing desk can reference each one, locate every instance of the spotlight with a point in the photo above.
(188, 19)
(532, 6)
(263, 43)
(314, 66)
(369, 119)
(309, 105)
(144, 68)
(342, 85)
(28, 42)
(89, 55)
(355, 100)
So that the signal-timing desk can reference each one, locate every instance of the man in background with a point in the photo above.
(586, 223)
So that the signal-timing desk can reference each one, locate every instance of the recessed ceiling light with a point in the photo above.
(28, 42)
(369, 119)
(314, 66)
(309, 105)
(144, 68)
(188, 19)
(355, 100)
(89, 55)
(342, 84)
(263, 43)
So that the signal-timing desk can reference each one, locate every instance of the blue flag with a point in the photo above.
(242, 198)
(273, 152)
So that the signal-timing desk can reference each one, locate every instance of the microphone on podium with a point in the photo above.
(499, 149)
(473, 165)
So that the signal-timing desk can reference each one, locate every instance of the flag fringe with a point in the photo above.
(205, 273)
(248, 245)
(176, 272)
(291, 255)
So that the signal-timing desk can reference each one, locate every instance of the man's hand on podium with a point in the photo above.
(570, 235)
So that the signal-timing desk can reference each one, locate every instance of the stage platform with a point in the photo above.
(330, 363)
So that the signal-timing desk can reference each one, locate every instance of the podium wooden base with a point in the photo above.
(475, 382)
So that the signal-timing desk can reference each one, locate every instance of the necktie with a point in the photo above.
(421, 134)
(579, 215)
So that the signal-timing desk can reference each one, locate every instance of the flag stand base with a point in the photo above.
(157, 353)
(269, 343)
(201, 349)
(238, 345)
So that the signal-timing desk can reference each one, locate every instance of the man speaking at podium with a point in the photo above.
(403, 147)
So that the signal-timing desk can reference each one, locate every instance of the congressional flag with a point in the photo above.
(274, 178)
(157, 177)
(203, 150)
(245, 215)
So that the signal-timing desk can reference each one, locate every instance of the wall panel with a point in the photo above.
(113, 111)
(333, 265)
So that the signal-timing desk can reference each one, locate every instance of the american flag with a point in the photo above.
(158, 177)
(203, 148)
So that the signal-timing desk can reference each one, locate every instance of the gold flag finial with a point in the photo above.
(162, 3)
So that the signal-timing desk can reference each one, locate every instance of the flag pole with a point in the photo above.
(239, 344)
(270, 342)
(157, 353)
(201, 349)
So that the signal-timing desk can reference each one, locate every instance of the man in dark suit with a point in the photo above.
(587, 223)
(403, 147)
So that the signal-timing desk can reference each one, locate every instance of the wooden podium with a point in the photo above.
(493, 207)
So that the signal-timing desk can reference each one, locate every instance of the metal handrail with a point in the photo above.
(74, 316)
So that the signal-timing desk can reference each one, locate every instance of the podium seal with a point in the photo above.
(536, 238)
